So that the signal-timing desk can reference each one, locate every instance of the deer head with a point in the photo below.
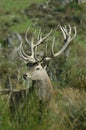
(36, 71)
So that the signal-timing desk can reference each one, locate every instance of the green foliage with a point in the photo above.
(61, 9)
(4, 116)
(75, 6)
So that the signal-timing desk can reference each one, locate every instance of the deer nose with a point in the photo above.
(25, 76)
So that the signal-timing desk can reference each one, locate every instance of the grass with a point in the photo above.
(10, 10)
(17, 5)
(68, 114)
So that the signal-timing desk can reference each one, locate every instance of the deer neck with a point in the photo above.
(44, 89)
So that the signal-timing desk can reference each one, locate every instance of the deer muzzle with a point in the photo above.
(25, 76)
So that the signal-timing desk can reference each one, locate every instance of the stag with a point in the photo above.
(36, 69)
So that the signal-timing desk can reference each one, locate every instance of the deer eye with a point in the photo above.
(37, 68)
(31, 64)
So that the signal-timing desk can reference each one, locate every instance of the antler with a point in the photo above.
(32, 58)
(22, 54)
(68, 37)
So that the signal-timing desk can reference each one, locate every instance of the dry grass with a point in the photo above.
(70, 110)
(68, 113)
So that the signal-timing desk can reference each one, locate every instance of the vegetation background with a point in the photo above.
(68, 74)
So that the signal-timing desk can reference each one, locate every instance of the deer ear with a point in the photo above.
(45, 67)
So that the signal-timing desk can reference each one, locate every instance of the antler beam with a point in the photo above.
(68, 37)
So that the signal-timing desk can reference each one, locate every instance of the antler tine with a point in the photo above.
(20, 49)
(26, 37)
(32, 47)
(63, 31)
(21, 54)
(39, 34)
(53, 45)
(43, 39)
(66, 31)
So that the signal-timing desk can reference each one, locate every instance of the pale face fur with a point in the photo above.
(36, 73)
(43, 83)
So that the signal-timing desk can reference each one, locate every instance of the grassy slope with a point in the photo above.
(10, 8)
(17, 5)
